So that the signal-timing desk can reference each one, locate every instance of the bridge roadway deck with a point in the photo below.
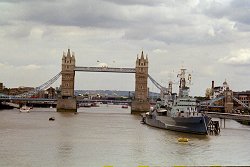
(25, 99)
(105, 69)
(53, 100)
(237, 117)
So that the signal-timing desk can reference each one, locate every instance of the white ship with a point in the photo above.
(24, 108)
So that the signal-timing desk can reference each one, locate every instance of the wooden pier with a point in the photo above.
(224, 116)
(214, 128)
(237, 117)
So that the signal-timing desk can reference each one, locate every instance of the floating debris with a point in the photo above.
(183, 139)
(51, 118)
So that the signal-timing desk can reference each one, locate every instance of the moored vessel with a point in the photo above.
(24, 109)
(125, 106)
(85, 105)
(178, 113)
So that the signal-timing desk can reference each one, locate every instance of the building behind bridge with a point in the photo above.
(49, 93)
(17, 91)
(1, 87)
(243, 96)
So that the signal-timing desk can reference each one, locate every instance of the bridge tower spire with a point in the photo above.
(140, 102)
(228, 101)
(67, 101)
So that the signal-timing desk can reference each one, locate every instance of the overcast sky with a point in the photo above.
(211, 38)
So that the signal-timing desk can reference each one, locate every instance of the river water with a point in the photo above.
(111, 136)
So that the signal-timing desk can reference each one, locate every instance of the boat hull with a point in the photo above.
(24, 110)
(196, 125)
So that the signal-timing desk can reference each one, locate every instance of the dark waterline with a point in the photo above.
(110, 135)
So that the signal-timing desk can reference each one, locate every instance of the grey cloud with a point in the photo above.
(82, 14)
(173, 26)
(242, 27)
(240, 11)
(17, 31)
(242, 4)
(23, 1)
(237, 10)
(97, 13)
(238, 58)
(137, 2)
(212, 9)
(178, 34)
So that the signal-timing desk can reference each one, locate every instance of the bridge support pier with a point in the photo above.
(138, 107)
(66, 105)
(224, 121)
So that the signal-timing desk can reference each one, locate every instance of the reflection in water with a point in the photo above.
(111, 136)
(64, 150)
(65, 137)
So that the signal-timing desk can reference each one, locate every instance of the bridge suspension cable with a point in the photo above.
(41, 87)
(162, 89)
(240, 102)
(212, 101)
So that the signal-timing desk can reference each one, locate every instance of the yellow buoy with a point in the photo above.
(183, 139)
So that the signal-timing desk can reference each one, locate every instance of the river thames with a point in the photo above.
(111, 136)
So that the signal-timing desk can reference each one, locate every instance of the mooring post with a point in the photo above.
(221, 122)
(224, 123)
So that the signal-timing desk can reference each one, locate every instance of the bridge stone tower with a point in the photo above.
(67, 101)
(228, 100)
(140, 102)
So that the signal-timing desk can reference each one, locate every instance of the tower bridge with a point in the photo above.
(140, 102)
(67, 101)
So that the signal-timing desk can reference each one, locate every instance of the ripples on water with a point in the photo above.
(110, 135)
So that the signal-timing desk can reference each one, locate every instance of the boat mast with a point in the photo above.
(183, 89)
(182, 79)
(170, 87)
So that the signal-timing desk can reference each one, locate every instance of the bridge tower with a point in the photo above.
(228, 103)
(67, 101)
(140, 102)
